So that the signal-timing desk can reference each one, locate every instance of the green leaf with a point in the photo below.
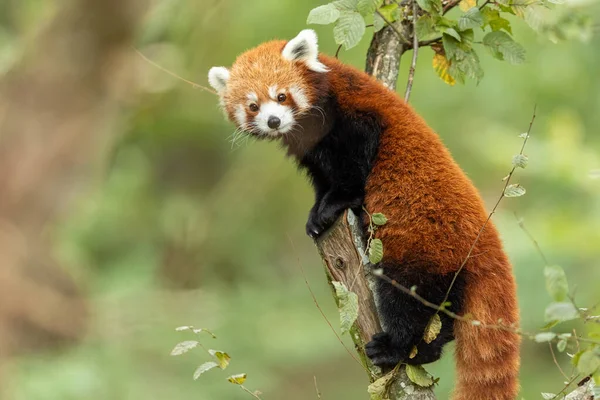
(470, 19)
(545, 337)
(222, 357)
(207, 366)
(468, 64)
(418, 375)
(389, 12)
(237, 379)
(561, 311)
(426, 28)
(349, 29)
(346, 5)
(379, 219)
(556, 282)
(520, 160)
(323, 15)
(378, 22)
(561, 345)
(368, 7)
(184, 347)
(183, 328)
(535, 16)
(433, 329)
(347, 305)
(589, 362)
(452, 32)
(501, 43)
(376, 251)
(492, 18)
(431, 6)
(514, 190)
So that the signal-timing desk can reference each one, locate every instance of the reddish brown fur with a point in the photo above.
(420, 188)
(249, 75)
(426, 197)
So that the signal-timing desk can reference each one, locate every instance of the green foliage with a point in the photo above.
(207, 366)
(503, 47)
(184, 347)
(520, 161)
(379, 219)
(514, 190)
(376, 251)
(454, 62)
(349, 29)
(561, 311)
(556, 282)
(323, 15)
(347, 306)
(418, 375)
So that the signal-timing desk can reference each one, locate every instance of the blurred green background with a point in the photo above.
(182, 229)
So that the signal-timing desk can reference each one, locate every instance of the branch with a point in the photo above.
(342, 249)
(413, 65)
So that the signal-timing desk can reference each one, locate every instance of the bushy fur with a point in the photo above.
(362, 145)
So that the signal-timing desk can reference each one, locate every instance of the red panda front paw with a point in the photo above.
(383, 352)
(321, 220)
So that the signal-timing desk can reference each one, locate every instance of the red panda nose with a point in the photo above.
(273, 122)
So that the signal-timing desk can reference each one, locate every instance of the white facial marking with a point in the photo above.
(299, 97)
(274, 109)
(304, 47)
(240, 115)
(273, 92)
(252, 97)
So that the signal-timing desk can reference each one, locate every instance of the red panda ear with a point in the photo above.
(218, 77)
(304, 48)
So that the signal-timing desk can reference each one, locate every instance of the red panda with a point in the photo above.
(363, 146)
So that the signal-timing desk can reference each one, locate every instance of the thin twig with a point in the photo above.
(411, 73)
(391, 25)
(317, 388)
(337, 52)
(468, 319)
(312, 294)
(502, 195)
(556, 361)
(530, 236)
(194, 84)
(250, 392)
(566, 387)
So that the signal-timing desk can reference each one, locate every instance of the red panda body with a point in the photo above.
(364, 146)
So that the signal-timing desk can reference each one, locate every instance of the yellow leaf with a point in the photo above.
(466, 5)
(441, 65)
(238, 379)
(433, 328)
(413, 352)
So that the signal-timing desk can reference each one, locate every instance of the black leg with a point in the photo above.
(327, 211)
(405, 318)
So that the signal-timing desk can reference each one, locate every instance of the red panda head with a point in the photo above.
(270, 87)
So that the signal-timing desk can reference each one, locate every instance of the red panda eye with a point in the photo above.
(253, 107)
(281, 98)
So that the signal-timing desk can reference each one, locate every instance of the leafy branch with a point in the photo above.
(452, 36)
